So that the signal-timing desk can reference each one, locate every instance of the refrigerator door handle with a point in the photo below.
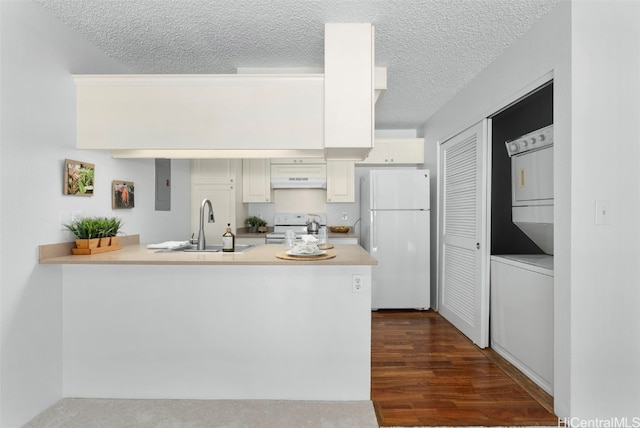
(374, 240)
(373, 192)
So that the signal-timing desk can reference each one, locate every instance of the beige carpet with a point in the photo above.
(108, 413)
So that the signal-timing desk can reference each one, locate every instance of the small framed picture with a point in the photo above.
(122, 194)
(78, 178)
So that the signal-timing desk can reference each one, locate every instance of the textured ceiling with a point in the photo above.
(431, 48)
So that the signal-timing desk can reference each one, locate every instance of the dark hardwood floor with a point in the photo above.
(425, 372)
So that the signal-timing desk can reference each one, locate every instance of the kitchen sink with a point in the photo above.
(215, 249)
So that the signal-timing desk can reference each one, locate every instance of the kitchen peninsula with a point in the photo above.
(138, 323)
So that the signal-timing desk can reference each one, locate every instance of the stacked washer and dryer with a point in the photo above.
(522, 284)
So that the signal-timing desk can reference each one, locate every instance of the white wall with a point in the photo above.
(596, 367)
(37, 133)
(605, 154)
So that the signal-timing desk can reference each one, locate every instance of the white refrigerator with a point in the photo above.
(395, 218)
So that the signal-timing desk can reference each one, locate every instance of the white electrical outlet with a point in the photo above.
(357, 282)
(344, 216)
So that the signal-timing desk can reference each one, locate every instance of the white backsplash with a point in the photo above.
(301, 200)
(309, 201)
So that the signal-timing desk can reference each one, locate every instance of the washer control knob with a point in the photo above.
(525, 143)
(533, 140)
(513, 147)
(542, 137)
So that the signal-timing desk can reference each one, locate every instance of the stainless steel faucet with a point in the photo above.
(201, 241)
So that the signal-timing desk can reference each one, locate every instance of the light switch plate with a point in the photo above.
(603, 212)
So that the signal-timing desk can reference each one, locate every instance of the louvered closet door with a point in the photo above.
(462, 282)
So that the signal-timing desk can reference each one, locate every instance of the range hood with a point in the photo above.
(298, 182)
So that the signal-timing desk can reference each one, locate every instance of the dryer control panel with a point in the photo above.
(532, 141)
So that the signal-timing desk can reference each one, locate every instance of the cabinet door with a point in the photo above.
(223, 199)
(407, 151)
(396, 151)
(340, 181)
(256, 180)
(348, 88)
(213, 171)
(378, 155)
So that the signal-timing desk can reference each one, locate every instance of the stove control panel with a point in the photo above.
(532, 141)
(298, 219)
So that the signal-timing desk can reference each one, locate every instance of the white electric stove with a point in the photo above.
(297, 222)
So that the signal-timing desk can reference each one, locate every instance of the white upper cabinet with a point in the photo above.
(340, 181)
(256, 180)
(220, 181)
(349, 92)
(213, 171)
(396, 151)
(239, 115)
(200, 112)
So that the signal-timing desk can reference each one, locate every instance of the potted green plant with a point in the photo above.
(255, 223)
(114, 224)
(108, 228)
(86, 232)
(90, 231)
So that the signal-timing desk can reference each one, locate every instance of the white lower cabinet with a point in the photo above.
(340, 181)
(522, 316)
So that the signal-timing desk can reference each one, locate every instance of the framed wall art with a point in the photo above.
(122, 194)
(78, 178)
